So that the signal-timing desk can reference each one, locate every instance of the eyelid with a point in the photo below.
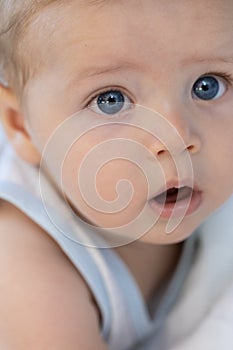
(107, 89)
(228, 77)
(221, 75)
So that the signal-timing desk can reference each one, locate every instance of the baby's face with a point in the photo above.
(148, 85)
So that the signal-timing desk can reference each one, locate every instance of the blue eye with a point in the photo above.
(208, 88)
(110, 102)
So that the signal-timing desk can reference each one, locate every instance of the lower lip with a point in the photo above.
(182, 208)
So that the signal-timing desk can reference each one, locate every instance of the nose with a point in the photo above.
(175, 144)
(174, 133)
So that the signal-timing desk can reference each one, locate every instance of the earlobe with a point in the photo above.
(14, 125)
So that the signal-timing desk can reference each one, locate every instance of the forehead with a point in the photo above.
(80, 31)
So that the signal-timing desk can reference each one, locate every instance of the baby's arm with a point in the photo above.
(44, 303)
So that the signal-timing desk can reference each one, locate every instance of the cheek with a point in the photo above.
(43, 109)
(217, 168)
(111, 192)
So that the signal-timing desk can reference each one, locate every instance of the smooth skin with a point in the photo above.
(154, 57)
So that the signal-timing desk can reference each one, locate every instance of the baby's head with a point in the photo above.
(136, 90)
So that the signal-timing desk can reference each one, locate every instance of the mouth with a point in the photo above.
(174, 194)
(176, 202)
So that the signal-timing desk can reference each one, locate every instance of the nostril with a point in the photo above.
(195, 144)
(157, 149)
(191, 148)
(161, 152)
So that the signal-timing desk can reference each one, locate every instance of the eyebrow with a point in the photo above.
(95, 71)
(197, 59)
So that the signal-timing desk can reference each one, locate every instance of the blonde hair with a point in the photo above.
(15, 17)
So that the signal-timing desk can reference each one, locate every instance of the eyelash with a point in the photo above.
(105, 90)
(223, 75)
(226, 76)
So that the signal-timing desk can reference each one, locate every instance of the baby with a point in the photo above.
(116, 177)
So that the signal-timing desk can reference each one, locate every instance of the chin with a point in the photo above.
(159, 235)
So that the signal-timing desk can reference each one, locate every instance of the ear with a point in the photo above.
(14, 125)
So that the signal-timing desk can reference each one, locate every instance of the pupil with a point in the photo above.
(206, 88)
(112, 99)
(111, 102)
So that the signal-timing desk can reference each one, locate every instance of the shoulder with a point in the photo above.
(44, 301)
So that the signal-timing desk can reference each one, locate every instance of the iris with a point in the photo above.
(206, 88)
(111, 102)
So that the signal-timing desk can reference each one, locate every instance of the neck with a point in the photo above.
(150, 265)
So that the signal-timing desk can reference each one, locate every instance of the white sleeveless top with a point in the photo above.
(126, 321)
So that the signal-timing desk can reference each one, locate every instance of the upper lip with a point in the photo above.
(176, 184)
